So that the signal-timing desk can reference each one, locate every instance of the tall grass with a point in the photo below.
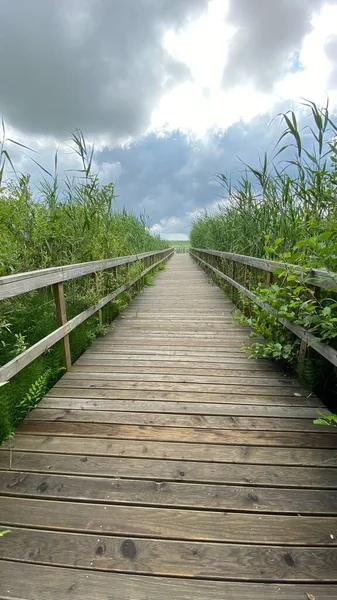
(285, 208)
(290, 198)
(61, 224)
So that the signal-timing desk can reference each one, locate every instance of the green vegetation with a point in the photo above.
(72, 223)
(180, 246)
(286, 210)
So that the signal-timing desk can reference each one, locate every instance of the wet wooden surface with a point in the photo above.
(165, 463)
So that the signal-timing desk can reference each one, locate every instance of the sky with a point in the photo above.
(171, 92)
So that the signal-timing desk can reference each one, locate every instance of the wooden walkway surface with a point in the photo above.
(166, 464)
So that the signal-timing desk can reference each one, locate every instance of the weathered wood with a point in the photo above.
(107, 375)
(105, 365)
(166, 386)
(169, 523)
(188, 408)
(37, 581)
(169, 557)
(243, 454)
(100, 316)
(232, 396)
(191, 434)
(159, 493)
(318, 277)
(197, 421)
(61, 315)
(12, 285)
(168, 470)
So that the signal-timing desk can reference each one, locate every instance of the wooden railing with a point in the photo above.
(215, 261)
(13, 285)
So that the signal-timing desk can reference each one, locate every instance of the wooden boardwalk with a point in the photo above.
(166, 464)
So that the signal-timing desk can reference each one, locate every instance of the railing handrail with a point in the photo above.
(13, 285)
(21, 361)
(306, 337)
(317, 277)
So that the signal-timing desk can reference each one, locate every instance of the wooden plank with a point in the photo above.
(169, 523)
(114, 490)
(170, 434)
(38, 581)
(169, 557)
(178, 350)
(183, 342)
(125, 335)
(235, 387)
(197, 421)
(230, 378)
(219, 355)
(167, 470)
(243, 454)
(174, 368)
(189, 360)
(232, 397)
(181, 407)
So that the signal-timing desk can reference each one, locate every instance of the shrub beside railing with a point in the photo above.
(278, 298)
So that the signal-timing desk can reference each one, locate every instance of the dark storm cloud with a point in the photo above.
(170, 178)
(94, 64)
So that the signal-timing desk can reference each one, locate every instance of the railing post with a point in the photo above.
(304, 351)
(100, 316)
(233, 277)
(61, 312)
(269, 278)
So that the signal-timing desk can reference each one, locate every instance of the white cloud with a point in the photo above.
(196, 107)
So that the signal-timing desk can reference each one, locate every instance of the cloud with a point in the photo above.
(170, 91)
(172, 178)
(331, 52)
(94, 64)
(268, 35)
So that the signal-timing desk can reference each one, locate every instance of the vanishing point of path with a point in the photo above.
(166, 465)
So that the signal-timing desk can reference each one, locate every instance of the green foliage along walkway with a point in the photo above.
(60, 224)
(285, 209)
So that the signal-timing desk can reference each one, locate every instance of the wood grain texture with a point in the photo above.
(166, 420)
(115, 490)
(168, 557)
(204, 408)
(167, 470)
(50, 583)
(169, 523)
(165, 462)
(244, 454)
(185, 434)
